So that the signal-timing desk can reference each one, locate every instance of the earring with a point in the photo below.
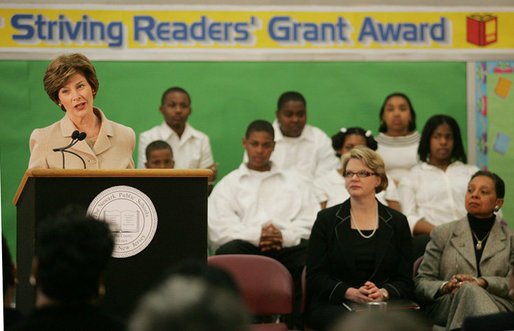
(32, 280)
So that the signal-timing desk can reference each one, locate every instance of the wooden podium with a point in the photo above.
(180, 201)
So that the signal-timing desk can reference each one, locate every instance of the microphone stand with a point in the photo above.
(75, 138)
(80, 157)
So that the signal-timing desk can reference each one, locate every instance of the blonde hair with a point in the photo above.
(371, 159)
(62, 68)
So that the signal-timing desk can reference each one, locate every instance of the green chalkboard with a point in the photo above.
(226, 96)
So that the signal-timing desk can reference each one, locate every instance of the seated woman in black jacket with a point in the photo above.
(359, 251)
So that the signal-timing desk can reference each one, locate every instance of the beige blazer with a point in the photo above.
(112, 150)
(451, 251)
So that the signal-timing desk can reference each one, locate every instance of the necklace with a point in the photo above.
(359, 230)
(479, 242)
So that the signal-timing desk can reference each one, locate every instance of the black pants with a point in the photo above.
(293, 258)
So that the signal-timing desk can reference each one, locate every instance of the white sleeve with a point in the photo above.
(206, 158)
(407, 193)
(224, 222)
(301, 225)
(391, 193)
(320, 192)
(326, 158)
(144, 140)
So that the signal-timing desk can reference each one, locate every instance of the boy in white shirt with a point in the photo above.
(261, 209)
(299, 146)
(159, 155)
(191, 148)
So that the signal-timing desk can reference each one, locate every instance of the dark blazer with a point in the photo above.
(331, 264)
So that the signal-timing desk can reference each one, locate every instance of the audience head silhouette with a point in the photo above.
(191, 299)
(72, 253)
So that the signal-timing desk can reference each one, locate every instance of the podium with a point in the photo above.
(179, 198)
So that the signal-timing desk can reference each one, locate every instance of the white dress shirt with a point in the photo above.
(310, 155)
(191, 151)
(244, 201)
(331, 188)
(399, 153)
(433, 194)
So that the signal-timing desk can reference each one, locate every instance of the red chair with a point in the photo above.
(416, 265)
(265, 284)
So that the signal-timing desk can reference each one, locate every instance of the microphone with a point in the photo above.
(74, 139)
(76, 136)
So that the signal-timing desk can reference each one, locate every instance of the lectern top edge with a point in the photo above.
(108, 173)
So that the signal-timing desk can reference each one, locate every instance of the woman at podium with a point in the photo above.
(84, 138)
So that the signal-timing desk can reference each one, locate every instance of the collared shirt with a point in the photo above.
(433, 194)
(191, 151)
(399, 153)
(244, 201)
(331, 188)
(310, 155)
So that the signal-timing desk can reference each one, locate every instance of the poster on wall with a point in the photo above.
(262, 32)
(494, 102)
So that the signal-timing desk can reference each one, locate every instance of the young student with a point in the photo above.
(262, 209)
(191, 147)
(432, 193)
(398, 139)
(300, 146)
(159, 155)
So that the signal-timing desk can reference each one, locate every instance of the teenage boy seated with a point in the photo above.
(300, 146)
(159, 155)
(191, 147)
(261, 209)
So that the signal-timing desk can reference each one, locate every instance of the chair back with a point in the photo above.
(265, 284)
(416, 265)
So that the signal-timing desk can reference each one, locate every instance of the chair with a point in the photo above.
(416, 265)
(265, 284)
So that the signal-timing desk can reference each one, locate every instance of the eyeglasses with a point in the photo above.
(360, 174)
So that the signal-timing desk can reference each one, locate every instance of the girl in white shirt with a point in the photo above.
(432, 193)
(398, 139)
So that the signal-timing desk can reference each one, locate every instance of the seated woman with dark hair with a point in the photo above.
(359, 251)
(466, 263)
(72, 252)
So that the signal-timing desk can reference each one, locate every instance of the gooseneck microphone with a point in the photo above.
(76, 136)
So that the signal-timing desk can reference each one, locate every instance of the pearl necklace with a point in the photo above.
(359, 230)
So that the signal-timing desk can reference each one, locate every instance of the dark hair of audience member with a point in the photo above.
(72, 253)
(290, 96)
(339, 138)
(260, 126)
(431, 125)
(174, 89)
(499, 184)
(157, 145)
(412, 123)
(7, 266)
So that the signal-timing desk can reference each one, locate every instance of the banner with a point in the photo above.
(338, 30)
